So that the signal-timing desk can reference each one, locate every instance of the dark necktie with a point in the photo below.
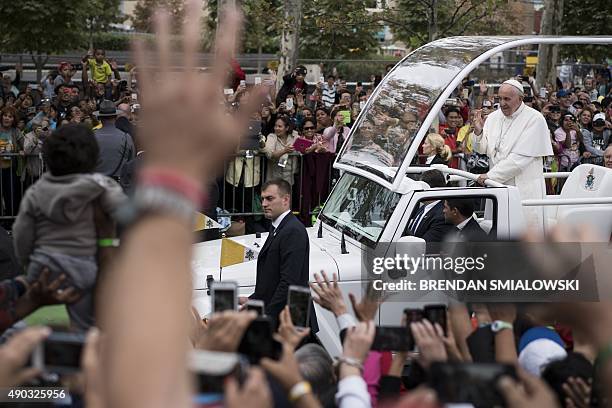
(417, 219)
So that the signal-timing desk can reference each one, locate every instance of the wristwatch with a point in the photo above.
(499, 325)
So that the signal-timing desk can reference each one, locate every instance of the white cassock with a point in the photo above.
(516, 145)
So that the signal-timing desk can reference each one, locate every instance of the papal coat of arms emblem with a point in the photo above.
(590, 180)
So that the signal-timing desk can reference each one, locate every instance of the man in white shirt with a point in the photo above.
(515, 138)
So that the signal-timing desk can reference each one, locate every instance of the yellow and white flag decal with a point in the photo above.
(203, 222)
(233, 253)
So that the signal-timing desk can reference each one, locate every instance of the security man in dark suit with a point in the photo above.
(283, 259)
(428, 222)
(459, 212)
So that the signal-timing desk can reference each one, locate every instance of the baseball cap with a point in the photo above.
(487, 104)
(599, 117)
(562, 93)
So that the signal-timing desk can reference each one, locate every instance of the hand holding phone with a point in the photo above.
(258, 342)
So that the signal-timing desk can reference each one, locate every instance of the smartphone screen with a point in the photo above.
(474, 383)
(436, 314)
(134, 96)
(289, 103)
(257, 80)
(257, 306)
(393, 339)
(224, 298)
(465, 93)
(542, 92)
(299, 305)
(257, 341)
(413, 315)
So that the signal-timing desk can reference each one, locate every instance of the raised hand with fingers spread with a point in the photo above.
(328, 294)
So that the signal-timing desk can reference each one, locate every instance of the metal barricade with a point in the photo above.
(17, 173)
(247, 171)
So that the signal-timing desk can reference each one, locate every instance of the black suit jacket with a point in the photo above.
(473, 233)
(438, 160)
(433, 227)
(283, 261)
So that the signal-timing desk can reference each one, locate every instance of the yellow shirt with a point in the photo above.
(464, 133)
(100, 72)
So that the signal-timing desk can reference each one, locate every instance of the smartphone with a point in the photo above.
(256, 305)
(289, 103)
(60, 353)
(542, 92)
(321, 79)
(362, 105)
(465, 93)
(134, 96)
(474, 383)
(393, 339)
(298, 300)
(228, 91)
(413, 315)
(224, 296)
(242, 82)
(451, 101)
(436, 314)
(257, 341)
(257, 80)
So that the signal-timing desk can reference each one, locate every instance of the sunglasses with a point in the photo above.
(309, 128)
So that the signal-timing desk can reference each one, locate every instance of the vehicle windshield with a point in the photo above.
(360, 208)
(386, 130)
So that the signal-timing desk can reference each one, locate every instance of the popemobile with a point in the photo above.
(377, 194)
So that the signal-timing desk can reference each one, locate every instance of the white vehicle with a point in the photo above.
(375, 197)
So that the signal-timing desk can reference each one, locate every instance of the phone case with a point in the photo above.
(301, 144)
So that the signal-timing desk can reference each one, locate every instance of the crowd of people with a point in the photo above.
(295, 135)
(133, 295)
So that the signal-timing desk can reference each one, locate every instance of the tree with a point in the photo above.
(101, 14)
(338, 30)
(586, 17)
(43, 27)
(142, 19)
(548, 55)
(289, 37)
(417, 22)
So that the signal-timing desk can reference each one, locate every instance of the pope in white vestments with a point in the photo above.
(516, 138)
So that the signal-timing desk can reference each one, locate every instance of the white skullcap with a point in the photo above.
(514, 83)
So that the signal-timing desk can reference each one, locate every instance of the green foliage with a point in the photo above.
(337, 30)
(362, 71)
(417, 22)
(52, 26)
(142, 20)
(586, 17)
(112, 41)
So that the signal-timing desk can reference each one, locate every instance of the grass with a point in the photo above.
(49, 315)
